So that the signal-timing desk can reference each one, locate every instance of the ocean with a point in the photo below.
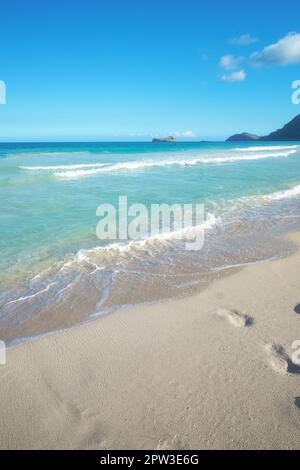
(54, 271)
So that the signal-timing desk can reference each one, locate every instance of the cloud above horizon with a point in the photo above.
(237, 76)
(188, 134)
(244, 40)
(230, 62)
(284, 52)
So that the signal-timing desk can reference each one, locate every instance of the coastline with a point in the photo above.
(179, 374)
(56, 273)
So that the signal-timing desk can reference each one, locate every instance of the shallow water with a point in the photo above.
(55, 272)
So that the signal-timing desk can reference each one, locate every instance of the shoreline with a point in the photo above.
(56, 274)
(200, 372)
(79, 307)
(222, 272)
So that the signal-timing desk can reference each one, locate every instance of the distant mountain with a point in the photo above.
(165, 139)
(289, 132)
(243, 136)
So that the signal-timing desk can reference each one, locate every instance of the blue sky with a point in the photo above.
(119, 70)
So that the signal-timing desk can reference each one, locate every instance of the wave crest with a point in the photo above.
(286, 194)
(265, 147)
(137, 165)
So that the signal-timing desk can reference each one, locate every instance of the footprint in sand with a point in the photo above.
(279, 359)
(235, 317)
(171, 444)
(297, 309)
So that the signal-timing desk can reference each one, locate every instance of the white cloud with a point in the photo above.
(238, 76)
(187, 134)
(284, 52)
(244, 40)
(230, 62)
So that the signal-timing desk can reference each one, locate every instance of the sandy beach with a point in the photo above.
(212, 371)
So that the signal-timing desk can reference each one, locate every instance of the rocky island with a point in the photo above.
(165, 139)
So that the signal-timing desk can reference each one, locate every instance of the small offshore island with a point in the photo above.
(165, 139)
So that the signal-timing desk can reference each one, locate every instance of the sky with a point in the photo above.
(97, 70)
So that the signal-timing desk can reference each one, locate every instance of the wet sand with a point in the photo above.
(215, 370)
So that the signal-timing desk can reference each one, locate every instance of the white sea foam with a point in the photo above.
(235, 204)
(288, 193)
(113, 252)
(246, 157)
(136, 165)
(62, 167)
(265, 147)
(31, 296)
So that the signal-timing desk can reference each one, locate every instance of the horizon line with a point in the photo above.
(107, 142)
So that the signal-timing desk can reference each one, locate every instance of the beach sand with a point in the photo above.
(212, 371)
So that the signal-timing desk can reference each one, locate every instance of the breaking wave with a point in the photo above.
(62, 167)
(93, 169)
(286, 194)
(265, 147)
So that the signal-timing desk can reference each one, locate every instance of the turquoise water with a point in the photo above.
(52, 261)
